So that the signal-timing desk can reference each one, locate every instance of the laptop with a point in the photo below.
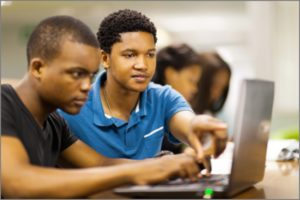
(251, 133)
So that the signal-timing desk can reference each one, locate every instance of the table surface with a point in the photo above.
(281, 181)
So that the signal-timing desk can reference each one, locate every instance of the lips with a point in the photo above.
(79, 101)
(140, 77)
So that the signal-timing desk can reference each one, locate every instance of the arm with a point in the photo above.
(179, 125)
(81, 155)
(21, 179)
(189, 128)
(24, 180)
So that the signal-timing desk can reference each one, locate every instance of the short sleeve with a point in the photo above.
(9, 114)
(67, 138)
(174, 102)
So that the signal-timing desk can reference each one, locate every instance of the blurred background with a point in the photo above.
(259, 39)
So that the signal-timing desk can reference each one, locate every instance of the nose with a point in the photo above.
(141, 63)
(86, 84)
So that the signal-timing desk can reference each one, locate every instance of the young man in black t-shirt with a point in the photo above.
(63, 55)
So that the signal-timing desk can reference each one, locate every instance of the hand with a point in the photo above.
(160, 169)
(208, 137)
(204, 167)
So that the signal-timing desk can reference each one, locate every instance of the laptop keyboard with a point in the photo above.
(217, 180)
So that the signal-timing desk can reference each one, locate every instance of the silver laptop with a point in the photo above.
(252, 126)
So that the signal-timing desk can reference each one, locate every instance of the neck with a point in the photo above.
(118, 101)
(28, 94)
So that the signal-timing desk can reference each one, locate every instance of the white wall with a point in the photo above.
(13, 53)
(271, 52)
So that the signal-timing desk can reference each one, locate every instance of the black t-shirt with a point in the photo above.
(43, 145)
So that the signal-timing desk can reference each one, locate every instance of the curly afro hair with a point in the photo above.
(122, 21)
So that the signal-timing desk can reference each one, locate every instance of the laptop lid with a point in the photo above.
(251, 134)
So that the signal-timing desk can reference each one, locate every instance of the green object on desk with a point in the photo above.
(291, 133)
(208, 193)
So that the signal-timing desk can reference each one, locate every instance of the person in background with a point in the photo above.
(213, 86)
(126, 115)
(63, 56)
(178, 65)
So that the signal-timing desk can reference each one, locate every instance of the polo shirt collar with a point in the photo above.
(141, 108)
(99, 117)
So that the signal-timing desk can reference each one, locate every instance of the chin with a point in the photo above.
(72, 111)
(140, 88)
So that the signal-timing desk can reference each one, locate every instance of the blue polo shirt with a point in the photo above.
(139, 138)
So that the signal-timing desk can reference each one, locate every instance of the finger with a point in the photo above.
(222, 134)
(179, 170)
(190, 152)
(208, 124)
(196, 145)
(196, 170)
(207, 164)
(191, 169)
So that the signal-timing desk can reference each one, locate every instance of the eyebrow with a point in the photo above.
(81, 69)
(134, 50)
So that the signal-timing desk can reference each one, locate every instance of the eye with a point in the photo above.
(78, 74)
(151, 54)
(129, 55)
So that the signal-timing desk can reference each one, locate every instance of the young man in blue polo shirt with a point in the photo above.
(126, 116)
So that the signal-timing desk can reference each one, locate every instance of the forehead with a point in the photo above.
(76, 50)
(78, 54)
(139, 41)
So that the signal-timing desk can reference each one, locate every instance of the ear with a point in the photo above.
(36, 67)
(170, 75)
(105, 59)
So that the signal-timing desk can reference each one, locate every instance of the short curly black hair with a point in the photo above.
(122, 21)
(46, 39)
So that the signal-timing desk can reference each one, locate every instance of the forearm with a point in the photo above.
(35, 182)
(117, 161)
(82, 156)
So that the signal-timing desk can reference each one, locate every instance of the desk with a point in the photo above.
(281, 181)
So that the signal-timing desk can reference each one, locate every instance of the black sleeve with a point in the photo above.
(67, 138)
(9, 114)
